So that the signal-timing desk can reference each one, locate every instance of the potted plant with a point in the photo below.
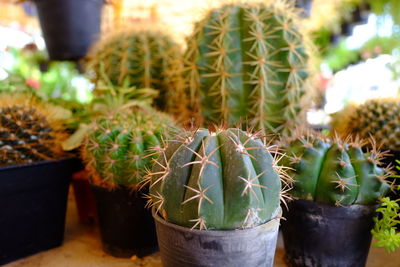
(117, 152)
(34, 176)
(215, 199)
(69, 26)
(336, 189)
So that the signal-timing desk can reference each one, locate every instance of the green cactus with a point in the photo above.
(29, 130)
(248, 61)
(334, 171)
(119, 149)
(225, 179)
(143, 57)
(377, 117)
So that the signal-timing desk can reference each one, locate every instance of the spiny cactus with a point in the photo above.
(29, 130)
(248, 61)
(144, 57)
(379, 118)
(334, 171)
(225, 179)
(119, 149)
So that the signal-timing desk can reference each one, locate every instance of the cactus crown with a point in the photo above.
(144, 57)
(225, 179)
(29, 130)
(248, 61)
(121, 147)
(377, 117)
(335, 171)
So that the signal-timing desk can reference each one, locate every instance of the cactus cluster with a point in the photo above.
(379, 118)
(334, 171)
(120, 148)
(143, 57)
(30, 131)
(225, 179)
(248, 62)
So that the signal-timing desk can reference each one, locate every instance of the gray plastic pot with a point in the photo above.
(183, 247)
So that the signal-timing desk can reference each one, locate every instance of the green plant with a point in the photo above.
(334, 171)
(248, 61)
(225, 179)
(29, 130)
(142, 57)
(376, 117)
(119, 148)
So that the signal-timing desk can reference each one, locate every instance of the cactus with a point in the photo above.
(248, 61)
(225, 179)
(377, 117)
(119, 149)
(143, 57)
(30, 130)
(334, 171)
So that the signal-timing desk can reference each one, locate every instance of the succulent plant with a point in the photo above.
(334, 171)
(248, 61)
(30, 130)
(225, 179)
(143, 57)
(379, 118)
(120, 148)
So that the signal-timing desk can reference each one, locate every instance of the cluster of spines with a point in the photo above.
(185, 166)
(335, 171)
(264, 83)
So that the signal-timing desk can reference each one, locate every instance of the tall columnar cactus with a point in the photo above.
(334, 171)
(29, 130)
(248, 62)
(120, 148)
(145, 58)
(377, 117)
(216, 180)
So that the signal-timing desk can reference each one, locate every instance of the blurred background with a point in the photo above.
(357, 51)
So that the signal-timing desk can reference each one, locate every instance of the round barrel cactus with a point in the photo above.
(334, 171)
(225, 179)
(144, 57)
(248, 62)
(121, 147)
(29, 130)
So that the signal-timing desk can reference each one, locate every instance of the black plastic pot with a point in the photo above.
(316, 234)
(182, 247)
(126, 226)
(69, 26)
(33, 201)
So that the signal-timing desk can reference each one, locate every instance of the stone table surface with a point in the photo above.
(82, 247)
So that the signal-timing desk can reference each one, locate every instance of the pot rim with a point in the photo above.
(36, 163)
(270, 225)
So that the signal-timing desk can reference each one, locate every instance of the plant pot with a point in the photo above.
(182, 247)
(33, 200)
(126, 226)
(84, 198)
(316, 234)
(69, 26)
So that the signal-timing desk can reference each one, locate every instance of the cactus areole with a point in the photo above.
(223, 180)
(334, 171)
(248, 62)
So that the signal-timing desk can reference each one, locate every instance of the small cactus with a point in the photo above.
(225, 179)
(30, 130)
(248, 62)
(120, 148)
(334, 171)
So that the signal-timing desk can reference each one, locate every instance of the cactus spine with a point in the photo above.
(377, 117)
(146, 58)
(248, 62)
(334, 171)
(119, 149)
(29, 130)
(216, 180)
